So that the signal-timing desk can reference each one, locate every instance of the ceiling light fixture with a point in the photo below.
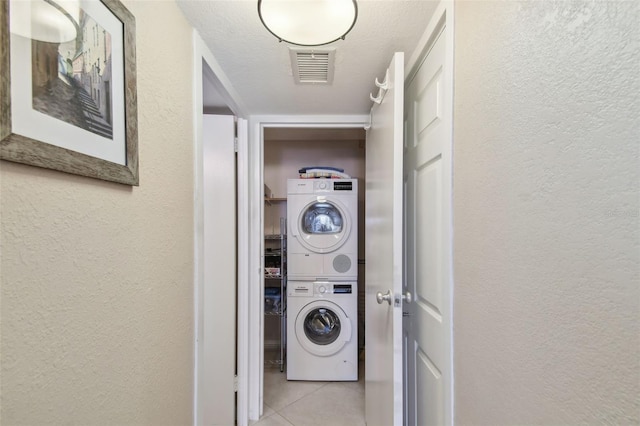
(308, 22)
(45, 20)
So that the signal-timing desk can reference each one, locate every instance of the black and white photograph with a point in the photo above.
(72, 87)
(71, 81)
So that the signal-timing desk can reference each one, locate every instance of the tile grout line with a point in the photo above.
(298, 400)
(346, 385)
(303, 396)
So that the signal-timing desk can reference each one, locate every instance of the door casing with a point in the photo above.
(254, 173)
(255, 291)
(250, 215)
(202, 360)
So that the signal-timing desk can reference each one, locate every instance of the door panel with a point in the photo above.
(427, 165)
(428, 250)
(217, 344)
(429, 391)
(429, 104)
(383, 253)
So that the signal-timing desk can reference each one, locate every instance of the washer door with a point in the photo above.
(322, 328)
(323, 225)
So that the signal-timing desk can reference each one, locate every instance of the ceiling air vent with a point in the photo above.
(312, 66)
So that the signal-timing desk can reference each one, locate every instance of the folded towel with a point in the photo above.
(314, 168)
(324, 174)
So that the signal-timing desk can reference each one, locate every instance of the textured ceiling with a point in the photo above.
(259, 67)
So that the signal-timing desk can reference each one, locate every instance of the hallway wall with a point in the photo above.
(546, 213)
(96, 277)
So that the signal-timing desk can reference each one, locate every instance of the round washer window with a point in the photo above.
(322, 326)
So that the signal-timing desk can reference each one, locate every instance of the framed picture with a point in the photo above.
(68, 87)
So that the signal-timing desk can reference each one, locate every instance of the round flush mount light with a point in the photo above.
(45, 20)
(308, 22)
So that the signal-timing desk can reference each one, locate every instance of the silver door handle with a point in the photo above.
(406, 297)
(384, 297)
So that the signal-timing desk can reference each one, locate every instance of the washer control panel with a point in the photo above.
(324, 288)
(320, 288)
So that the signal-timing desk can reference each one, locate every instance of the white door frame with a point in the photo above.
(255, 291)
(202, 360)
(250, 217)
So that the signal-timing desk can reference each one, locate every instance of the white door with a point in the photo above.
(427, 164)
(216, 339)
(383, 253)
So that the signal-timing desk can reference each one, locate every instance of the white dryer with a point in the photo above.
(322, 217)
(322, 331)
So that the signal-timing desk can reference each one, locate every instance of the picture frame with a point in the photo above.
(80, 117)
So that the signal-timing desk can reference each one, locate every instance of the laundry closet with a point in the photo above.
(286, 150)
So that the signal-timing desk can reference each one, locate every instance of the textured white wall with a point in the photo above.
(97, 278)
(546, 208)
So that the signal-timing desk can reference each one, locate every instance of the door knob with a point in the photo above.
(383, 297)
(406, 297)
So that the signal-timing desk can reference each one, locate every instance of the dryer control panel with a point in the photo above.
(343, 185)
(321, 186)
(334, 185)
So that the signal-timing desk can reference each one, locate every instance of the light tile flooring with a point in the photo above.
(299, 403)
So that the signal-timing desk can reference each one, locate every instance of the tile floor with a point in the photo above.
(299, 403)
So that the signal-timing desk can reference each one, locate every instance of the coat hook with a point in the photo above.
(377, 99)
(385, 84)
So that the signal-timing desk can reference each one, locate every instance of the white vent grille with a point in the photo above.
(312, 66)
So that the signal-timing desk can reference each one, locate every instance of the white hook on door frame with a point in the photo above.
(382, 88)
(377, 99)
(385, 83)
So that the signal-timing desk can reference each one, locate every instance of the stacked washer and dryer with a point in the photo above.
(322, 293)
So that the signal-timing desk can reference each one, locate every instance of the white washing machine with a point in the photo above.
(322, 216)
(322, 330)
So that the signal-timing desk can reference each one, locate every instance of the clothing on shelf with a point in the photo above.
(314, 172)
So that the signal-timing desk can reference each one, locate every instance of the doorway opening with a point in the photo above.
(286, 150)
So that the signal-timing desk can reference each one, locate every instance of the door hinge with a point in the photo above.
(235, 383)
(235, 144)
